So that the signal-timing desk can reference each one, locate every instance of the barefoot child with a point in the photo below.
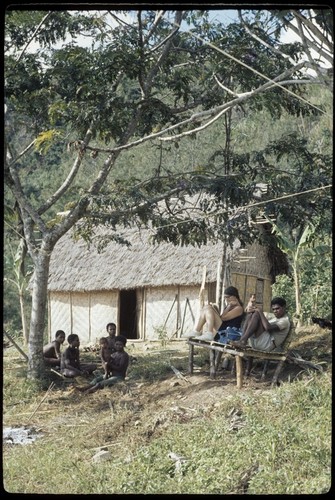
(70, 362)
(51, 351)
(117, 366)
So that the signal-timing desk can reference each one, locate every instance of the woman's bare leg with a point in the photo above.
(209, 316)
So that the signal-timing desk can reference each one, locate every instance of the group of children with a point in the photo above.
(114, 359)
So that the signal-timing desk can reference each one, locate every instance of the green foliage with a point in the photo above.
(284, 287)
(162, 335)
(315, 284)
(137, 79)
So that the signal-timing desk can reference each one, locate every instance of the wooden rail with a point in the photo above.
(216, 350)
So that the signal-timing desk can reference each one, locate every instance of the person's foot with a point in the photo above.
(81, 389)
(189, 335)
(238, 343)
(206, 336)
(90, 390)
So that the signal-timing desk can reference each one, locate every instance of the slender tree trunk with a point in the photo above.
(225, 275)
(297, 293)
(38, 312)
(23, 317)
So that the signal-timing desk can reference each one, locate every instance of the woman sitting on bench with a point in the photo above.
(232, 316)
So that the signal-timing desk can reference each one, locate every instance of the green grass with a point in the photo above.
(274, 441)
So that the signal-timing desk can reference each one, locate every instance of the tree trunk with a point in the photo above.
(224, 275)
(23, 317)
(297, 293)
(38, 312)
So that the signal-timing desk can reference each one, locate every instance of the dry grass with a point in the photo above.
(263, 439)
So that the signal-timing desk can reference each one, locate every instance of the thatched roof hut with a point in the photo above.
(148, 290)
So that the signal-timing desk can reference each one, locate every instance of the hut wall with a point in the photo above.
(172, 310)
(85, 314)
(189, 305)
(161, 311)
(247, 285)
(59, 313)
(104, 309)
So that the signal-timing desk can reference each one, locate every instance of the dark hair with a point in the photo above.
(231, 290)
(278, 300)
(121, 338)
(72, 337)
(59, 333)
(103, 339)
(110, 324)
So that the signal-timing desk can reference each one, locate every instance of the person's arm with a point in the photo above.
(57, 350)
(119, 363)
(233, 310)
(71, 363)
(105, 356)
(269, 327)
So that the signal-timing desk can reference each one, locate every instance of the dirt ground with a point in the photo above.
(199, 391)
(180, 395)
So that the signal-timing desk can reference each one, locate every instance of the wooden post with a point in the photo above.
(190, 358)
(277, 373)
(239, 372)
(218, 286)
(15, 344)
(212, 363)
(217, 360)
(202, 289)
(175, 298)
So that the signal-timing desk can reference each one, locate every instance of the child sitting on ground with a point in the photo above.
(70, 362)
(117, 366)
(51, 351)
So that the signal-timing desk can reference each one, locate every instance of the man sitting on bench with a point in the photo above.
(265, 334)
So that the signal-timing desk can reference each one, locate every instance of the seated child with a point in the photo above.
(70, 362)
(117, 367)
(51, 351)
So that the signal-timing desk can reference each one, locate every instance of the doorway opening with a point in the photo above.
(128, 314)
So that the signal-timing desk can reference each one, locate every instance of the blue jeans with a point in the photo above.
(230, 333)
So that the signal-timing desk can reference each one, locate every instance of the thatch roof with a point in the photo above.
(75, 267)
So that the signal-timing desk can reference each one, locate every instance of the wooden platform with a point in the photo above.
(216, 350)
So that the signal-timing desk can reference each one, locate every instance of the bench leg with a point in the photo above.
(277, 373)
(212, 371)
(190, 358)
(249, 362)
(265, 369)
(239, 372)
(218, 357)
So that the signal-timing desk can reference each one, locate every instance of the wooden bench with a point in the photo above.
(216, 350)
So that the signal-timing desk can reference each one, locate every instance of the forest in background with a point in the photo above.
(290, 140)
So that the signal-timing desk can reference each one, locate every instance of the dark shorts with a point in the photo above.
(230, 333)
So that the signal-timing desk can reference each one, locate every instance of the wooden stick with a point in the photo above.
(59, 374)
(202, 288)
(15, 344)
(45, 395)
(239, 372)
(178, 374)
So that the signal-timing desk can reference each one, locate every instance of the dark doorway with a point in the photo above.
(128, 316)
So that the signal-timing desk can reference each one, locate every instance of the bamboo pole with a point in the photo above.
(218, 285)
(239, 372)
(15, 344)
(51, 386)
(202, 288)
